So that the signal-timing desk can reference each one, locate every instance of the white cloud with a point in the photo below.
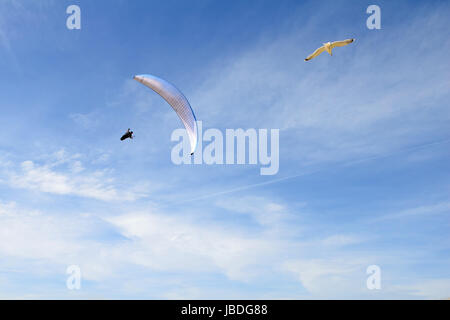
(64, 174)
(332, 278)
(339, 240)
(174, 244)
(157, 244)
(263, 212)
(428, 288)
(155, 241)
(30, 239)
(433, 209)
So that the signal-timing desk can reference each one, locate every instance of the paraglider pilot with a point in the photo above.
(128, 134)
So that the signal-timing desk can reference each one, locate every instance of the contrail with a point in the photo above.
(246, 187)
(347, 163)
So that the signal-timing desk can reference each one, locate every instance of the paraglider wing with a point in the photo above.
(177, 101)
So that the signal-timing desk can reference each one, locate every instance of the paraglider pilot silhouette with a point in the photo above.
(128, 134)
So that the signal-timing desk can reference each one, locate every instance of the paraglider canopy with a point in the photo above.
(176, 100)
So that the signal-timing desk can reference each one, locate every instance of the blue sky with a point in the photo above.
(364, 150)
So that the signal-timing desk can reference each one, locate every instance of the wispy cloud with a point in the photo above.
(64, 174)
(433, 209)
(428, 288)
(328, 277)
(263, 212)
(333, 109)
